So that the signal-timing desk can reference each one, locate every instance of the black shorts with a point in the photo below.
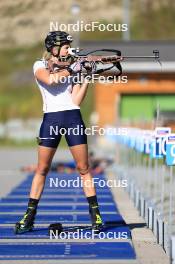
(56, 124)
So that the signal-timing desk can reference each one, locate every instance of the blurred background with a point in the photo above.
(150, 89)
(147, 100)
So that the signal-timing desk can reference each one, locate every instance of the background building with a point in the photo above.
(150, 87)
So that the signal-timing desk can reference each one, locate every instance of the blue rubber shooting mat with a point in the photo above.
(69, 206)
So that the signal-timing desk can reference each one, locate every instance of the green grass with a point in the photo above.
(97, 34)
(6, 142)
(154, 24)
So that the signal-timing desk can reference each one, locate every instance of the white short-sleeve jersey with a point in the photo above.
(56, 97)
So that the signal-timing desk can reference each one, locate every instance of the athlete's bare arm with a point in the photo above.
(48, 78)
(79, 92)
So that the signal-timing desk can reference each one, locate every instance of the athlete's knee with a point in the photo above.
(42, 169)
(83, 168)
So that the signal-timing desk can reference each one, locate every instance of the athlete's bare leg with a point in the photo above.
(45, 156)
(80, 155)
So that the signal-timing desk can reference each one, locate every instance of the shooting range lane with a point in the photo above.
(68, 206)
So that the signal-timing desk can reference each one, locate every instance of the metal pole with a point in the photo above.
(126, 19)
(75, 10)
(149, 170)
(171, 200)
(155, 181)
(162, 190)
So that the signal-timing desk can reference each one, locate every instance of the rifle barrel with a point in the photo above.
(140, 57)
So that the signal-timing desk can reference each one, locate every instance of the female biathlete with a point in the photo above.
(61, 106)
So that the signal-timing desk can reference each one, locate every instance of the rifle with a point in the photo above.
(90, 61)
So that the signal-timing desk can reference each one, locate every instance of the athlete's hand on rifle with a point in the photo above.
(90, 67)
(52, 65)
(76, 67)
